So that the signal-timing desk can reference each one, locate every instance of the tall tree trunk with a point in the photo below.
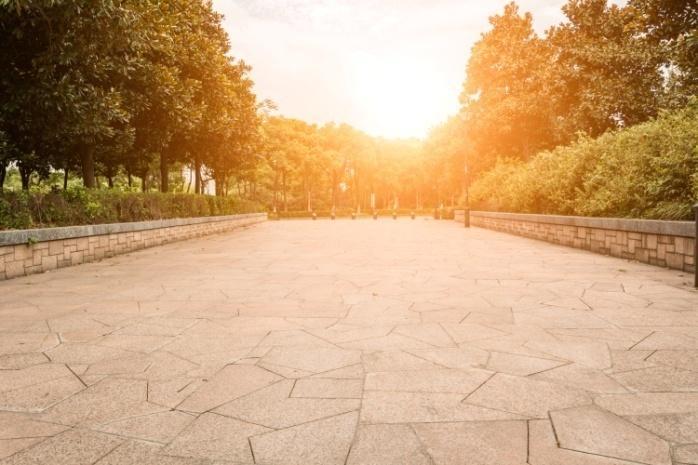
(283, 187)
(164, 173)
(66, 175)
(130, 179)
(3, 174)
(25, 176)
(110, 181)
(87, 160)
(144, 181)
(198, 188)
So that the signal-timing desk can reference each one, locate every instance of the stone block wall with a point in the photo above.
(668, 244)
(28, 252)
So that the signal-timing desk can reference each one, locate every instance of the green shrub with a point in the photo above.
(646, 171)
(80, 207)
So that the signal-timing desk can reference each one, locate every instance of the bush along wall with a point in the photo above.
(75, 207)
(646, 171)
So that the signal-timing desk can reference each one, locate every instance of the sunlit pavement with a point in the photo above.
(359, 342)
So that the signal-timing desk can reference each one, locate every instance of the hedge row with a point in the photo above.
(646, 171)
(446, 213)
(82, 207)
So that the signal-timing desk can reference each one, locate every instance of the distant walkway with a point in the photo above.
(359, 342)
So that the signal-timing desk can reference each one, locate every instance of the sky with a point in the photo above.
(392, 68)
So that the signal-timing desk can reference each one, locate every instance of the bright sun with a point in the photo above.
(399, 98)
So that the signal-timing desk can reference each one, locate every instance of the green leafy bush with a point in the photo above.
(646, 171)
(81, 206)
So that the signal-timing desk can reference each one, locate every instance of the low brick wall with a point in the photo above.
(27, 252)
(662, 243)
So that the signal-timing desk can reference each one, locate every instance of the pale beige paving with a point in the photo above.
(351, 342)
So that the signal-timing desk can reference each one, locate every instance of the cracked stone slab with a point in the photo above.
(387, 445)
(215, 437)
(230, 383)
(444, 380)
(328, 388)
(592, 430)
(322, 442)
(76, 447)
(474, 443)
(526, 396)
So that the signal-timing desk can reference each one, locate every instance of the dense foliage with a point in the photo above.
(23, 210)
(647, 171)
(102, 86)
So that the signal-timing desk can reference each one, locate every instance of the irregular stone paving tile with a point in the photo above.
(595, 431)
(328, 388)
(681, 428)
(543, 449)
(668, 340)
(272, 407)
(475, 443)
(285, 372)
(230, 383)
(520, 365)
(580, 377)
(460, 358)
(616, 338)
(649, 403)
(133, 365)
(686, 454)
(444, 380)
(189, 346)
(392, 341)
(142, 453)
(14, 379)
(22, 343)
(161, 427)
(350, 372)
(445, 316)
(387, 445)
(20, 425)
(215, 437)
(526, 396)
(338, 334)
(683, 359)
(590, 354)
(467, 332)
(10, 447)
(144, 344)
(171, 393)
(85, 354)
(292, 338)
(554, 317)
(108, 400)
(395, 360)
(20, 361)
(39, 397)
(659, 379)
(312, 359)
(409, 407)
(432, 334)
(75, 447)
(628, 360)
(322, 442)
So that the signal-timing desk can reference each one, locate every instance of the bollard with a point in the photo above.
(314, 216)
(375, 215)
(394, 215)
(695, 251)
(413, 215)
(466, 219)
(333, 216)
(353, 216)
(436, 213)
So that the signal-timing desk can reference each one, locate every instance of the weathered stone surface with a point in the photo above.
(595, 431)
(323, 442)
(187, 353)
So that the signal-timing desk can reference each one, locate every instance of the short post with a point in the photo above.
(375, 215)
(314, 216)
(466, 217)
(436, 213)
(394, 215)
(353, 215)
(695, 249)
(413, 215)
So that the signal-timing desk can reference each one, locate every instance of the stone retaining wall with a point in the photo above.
(662, 243)
(29, 252)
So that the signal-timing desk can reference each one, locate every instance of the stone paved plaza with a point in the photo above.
(351, 342)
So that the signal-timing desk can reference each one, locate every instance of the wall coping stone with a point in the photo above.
(659, 227)
(24, 236)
